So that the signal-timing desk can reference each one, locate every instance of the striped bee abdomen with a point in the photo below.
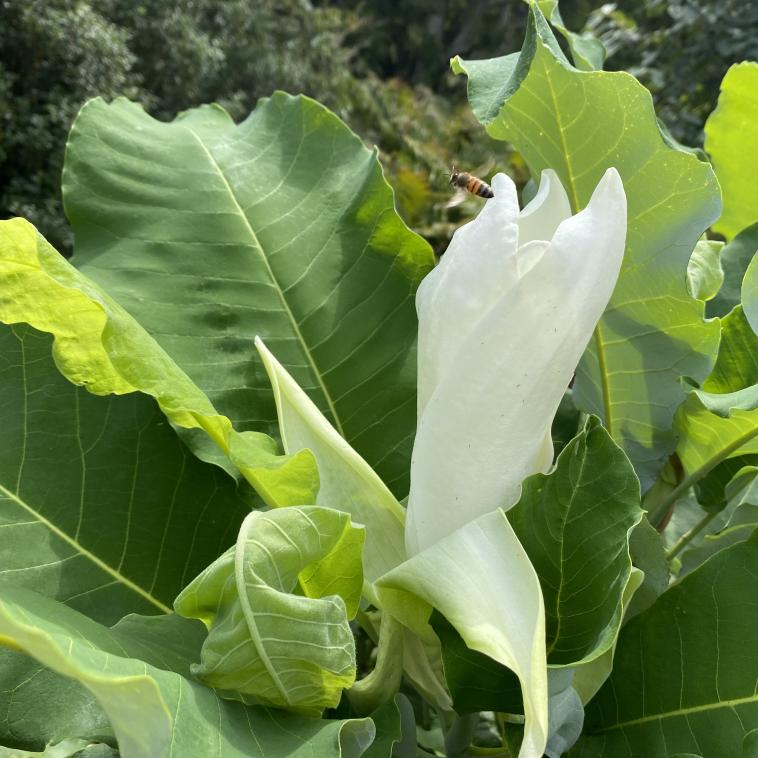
(471, 183)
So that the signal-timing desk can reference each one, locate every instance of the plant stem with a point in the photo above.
(384, 681)
(688, 536)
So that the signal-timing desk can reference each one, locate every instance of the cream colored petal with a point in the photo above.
(546, 211)
(476, 270)
(483, 429)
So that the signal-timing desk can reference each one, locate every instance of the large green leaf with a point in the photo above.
(154, 710)
(99, 345)
(574, 524)
(684, 674)
(211, 233)
(580, 123)
(102, 507)
(279, 648)
(38, 706)
(731, 138)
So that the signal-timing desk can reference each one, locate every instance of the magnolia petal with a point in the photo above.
(482, 581)
(482, 431)
(348, 483)
(477, 269)
(545, 212)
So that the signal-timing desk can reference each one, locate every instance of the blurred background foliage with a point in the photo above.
(381, 65)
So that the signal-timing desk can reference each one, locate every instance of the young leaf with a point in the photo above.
(684, 674)
(704, 273)
(103, 506)
(574, 524)
(210, 232)
(580, 123)
(265, 642)
(99, 345)
(731, 138)
(347, 482)
(155, 711)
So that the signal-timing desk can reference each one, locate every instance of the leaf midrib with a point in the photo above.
(277, 286)
(680, 712)
(81, 550)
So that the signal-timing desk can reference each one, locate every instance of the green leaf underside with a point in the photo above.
(735, 257)
(684, 672)
(280, 648)
(731, 138)
(574, 524)
(101, 506)
(211, 233)
(154, 711)
(99, 345)
(580, 123)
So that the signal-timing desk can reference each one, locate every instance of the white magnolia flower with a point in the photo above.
(503, 322)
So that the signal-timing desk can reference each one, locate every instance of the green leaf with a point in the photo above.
(65, 749)
(704, 273)
(580, 123)
(574, 524)
(102, 505)
(648, 553)
(714, 427)
(348, 483)
(278, 648)
(99, 345)
(750, 293)
(735, 257)
(481, 580)
(736, 365)
(684, 673)
(211, 233)
(154, 711)
(39, 707)
(735, 523)
(587, 51)
(731, 138)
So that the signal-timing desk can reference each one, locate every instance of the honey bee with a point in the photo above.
(471, 183)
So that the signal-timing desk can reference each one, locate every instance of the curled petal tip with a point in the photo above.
(502, 184)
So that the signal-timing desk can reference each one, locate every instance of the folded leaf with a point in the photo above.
(731, 138)
(131, 517)
(684, 674)
(737, 362)
(210, 232)
(704, 273)
(155, 712)
(282, 649)
(100, 346)
(580, 123)
(482, 581)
